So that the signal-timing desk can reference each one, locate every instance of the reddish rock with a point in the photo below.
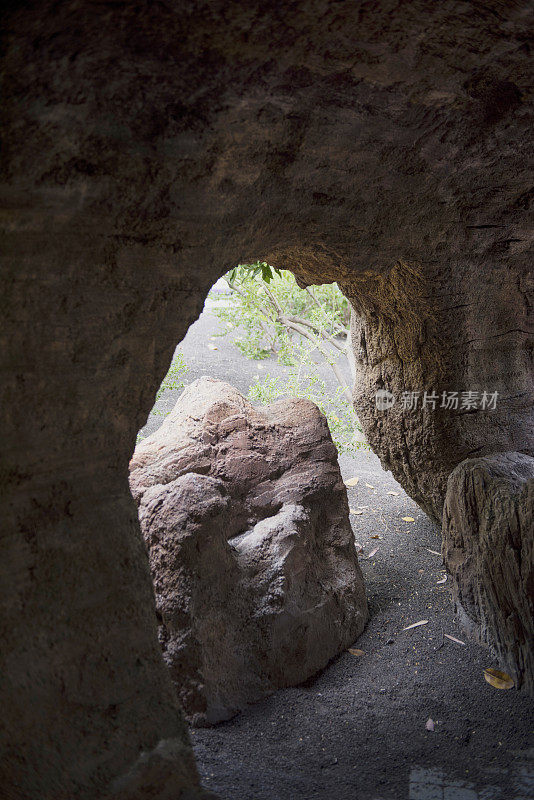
(246, 519)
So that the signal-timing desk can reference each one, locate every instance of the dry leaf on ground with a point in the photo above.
(212, 347)
(355, 512)
(355, 652)
(453, 638)
(408, 519)
(498, 679)
(416, 624)
(375, 536)
(434, 552)
(429, 724)
(352, 482)
(373, 552)
(443, 580)
(369, 485)
(395, 494)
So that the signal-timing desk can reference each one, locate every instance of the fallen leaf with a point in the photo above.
(395, 494)
(408, 519)
(353, 511)
(434, 552)
(453, 638)
(354, 652)
(443, 580)
(372, 553)
(416, 624)
(429, 724)
(498, 679)
(352, 482)
(359, 548)
(212, 347)
(369, 485)
(420, 571)
(375, 536)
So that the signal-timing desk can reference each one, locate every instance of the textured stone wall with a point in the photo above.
(488, 547)
(147, 148)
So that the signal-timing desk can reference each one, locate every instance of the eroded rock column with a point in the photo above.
(88, 709)
(488, 547)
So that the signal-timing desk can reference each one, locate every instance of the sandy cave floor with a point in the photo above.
(357, 731)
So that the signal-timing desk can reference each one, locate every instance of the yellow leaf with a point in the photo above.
(498, 679)
(416, 624)
(352, 482)
(375, 536)
(354, 652)
(408, 519)
(453, 638)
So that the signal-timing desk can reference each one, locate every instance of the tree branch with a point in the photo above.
(270, 336)
(337, 372)
(319, 331)
(341, 328)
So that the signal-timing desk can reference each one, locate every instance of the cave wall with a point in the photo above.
(148, 147)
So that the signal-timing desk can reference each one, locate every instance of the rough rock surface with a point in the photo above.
(488, 547)
(147, 148)
(246, 520)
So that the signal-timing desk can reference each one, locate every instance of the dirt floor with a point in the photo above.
(358, 731)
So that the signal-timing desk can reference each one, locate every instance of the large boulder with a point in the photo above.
(246, 520)
(488, 547)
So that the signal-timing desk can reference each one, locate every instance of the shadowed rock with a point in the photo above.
(246, 520)
(488, 547)
(148, 148)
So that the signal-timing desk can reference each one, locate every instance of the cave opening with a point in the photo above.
(381, 145)
(401, 676)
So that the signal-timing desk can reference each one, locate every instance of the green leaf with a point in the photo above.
(266, 274)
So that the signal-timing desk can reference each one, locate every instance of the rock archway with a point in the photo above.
(148, 148)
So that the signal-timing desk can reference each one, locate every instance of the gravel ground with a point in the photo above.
(358, 730)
